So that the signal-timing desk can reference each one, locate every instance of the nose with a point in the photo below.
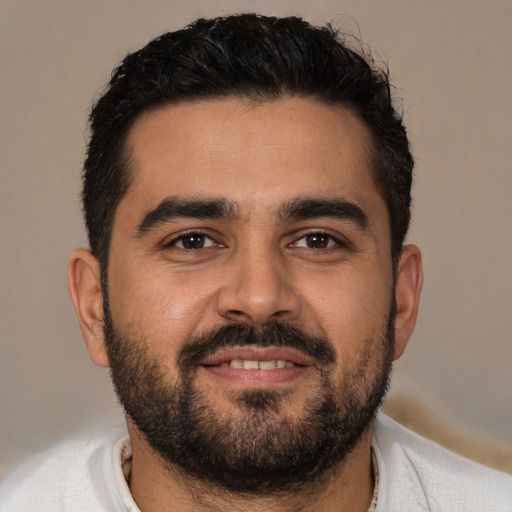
(258, 289)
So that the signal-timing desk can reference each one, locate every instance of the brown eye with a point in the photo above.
(191, 241)
(318, 240)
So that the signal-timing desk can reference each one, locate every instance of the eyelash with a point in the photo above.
(190, 234)
(331, 240)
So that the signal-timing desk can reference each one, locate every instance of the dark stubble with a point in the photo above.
(266, 452)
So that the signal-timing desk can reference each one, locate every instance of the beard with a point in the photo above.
(254, 448)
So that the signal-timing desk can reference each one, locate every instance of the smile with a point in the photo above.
(239, 366)
(247, 364)
(257, 358)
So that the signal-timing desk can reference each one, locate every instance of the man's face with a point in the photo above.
(253, 236)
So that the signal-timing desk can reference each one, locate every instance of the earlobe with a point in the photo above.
(85, 290)
(408, 285)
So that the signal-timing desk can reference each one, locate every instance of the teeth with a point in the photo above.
(255, 365)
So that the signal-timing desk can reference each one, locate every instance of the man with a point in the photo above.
(246, 194)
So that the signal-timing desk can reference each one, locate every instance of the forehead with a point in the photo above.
(253, 154)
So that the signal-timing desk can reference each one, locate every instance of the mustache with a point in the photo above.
(275, 334)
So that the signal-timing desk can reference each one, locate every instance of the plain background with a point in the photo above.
(451, 63)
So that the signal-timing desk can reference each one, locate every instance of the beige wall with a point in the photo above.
(451, 61)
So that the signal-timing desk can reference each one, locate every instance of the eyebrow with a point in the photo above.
(312, 208)
(294, 210)
(175, 207)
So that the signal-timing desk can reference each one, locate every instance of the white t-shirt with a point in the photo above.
(415, 475)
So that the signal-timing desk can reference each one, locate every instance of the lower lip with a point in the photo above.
(258, 377)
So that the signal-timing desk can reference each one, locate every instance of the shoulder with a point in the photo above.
(425, 476)
(71, 476)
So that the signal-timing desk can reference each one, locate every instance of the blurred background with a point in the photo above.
(451, 65)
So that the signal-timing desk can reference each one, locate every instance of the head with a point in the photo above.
(246, 193)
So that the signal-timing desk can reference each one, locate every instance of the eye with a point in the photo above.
(191, 241)
(317, 240)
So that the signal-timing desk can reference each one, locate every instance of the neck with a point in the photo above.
(158, 488)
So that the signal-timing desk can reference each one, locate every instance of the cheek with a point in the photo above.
(349, 308)
(157, 304)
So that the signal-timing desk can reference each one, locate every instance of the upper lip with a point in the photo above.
(253, 353)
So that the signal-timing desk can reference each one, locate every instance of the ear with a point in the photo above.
(85, 289)
(408, 285)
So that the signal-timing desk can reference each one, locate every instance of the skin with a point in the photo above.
(253, 266)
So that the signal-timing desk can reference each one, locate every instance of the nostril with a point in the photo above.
(238, 315)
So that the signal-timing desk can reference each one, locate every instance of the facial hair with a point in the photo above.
(260, 450)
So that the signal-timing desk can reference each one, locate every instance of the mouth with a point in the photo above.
(257, 366)
(249, 364)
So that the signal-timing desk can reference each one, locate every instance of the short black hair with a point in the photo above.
(247, 56)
